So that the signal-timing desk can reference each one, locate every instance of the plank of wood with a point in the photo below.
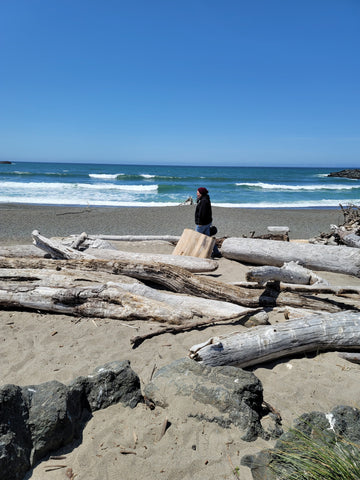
(194, 244)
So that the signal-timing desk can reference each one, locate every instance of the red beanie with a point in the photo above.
(202, 191)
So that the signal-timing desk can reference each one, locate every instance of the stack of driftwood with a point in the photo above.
(88, 276)
(346, 234)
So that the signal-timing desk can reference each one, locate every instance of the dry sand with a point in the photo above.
(38, 347)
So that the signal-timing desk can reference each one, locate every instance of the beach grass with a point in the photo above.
(319, 455)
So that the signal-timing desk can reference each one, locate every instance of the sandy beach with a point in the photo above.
(18, 221)
(37, 347)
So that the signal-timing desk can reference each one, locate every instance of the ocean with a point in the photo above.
(112, 185)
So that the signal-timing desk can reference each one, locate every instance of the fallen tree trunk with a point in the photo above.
(185, 306)
(265, 343)
(104, 301)
(338, 259)
(181, 281)
(59, 251)
(290, 272)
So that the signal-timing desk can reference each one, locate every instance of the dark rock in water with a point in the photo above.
(37, 419)
(343, 423)
(349, 173)
(5, 162)
(225, 395)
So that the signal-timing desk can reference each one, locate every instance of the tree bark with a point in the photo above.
(266, 343)
(338, 259)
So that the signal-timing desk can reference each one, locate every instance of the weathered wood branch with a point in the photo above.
(182, 281)
(338, 259)
(290, 272)
(339, 331)
(174, 329)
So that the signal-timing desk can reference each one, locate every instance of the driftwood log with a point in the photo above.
(59, 251)
(136, 238)
(339, 331)
(182, 281)
(30, 283)
(290, 272)
(338, 259)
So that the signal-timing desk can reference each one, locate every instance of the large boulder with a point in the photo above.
(226, 395)
(37, 419)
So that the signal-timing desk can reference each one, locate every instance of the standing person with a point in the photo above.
(203, 216)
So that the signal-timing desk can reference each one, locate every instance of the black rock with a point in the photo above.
(37, 419)
(348, 173)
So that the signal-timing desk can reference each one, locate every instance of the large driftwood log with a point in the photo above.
(265, 343)
(290, 272)
(136, 238)
(104, 301)
(338, 259)
(185, 306)
(59, 251)
(181, 281)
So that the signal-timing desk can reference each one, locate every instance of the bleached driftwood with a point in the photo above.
(55, 248)
(78, 240)
(184, 306)
(265, 343)
(137, 238)
(349, 238)
(200, 307)
(182, 281)
(289, 287)
(290, 272)
(192, 264)
(104, 301)
(59, 251)
(339, 259)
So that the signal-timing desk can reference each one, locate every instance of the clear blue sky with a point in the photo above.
(243, 82)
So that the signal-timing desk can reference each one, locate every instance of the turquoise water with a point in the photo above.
(150, 185)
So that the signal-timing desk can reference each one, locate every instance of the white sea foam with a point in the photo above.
(145, 175)
(299, 204)
(105, 176)
(39, 186)
(280, 187)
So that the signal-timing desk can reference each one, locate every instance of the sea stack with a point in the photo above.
(348, 173)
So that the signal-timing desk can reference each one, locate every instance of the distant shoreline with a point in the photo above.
(18, 221)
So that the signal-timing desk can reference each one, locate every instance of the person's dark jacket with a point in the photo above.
(203, 214)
